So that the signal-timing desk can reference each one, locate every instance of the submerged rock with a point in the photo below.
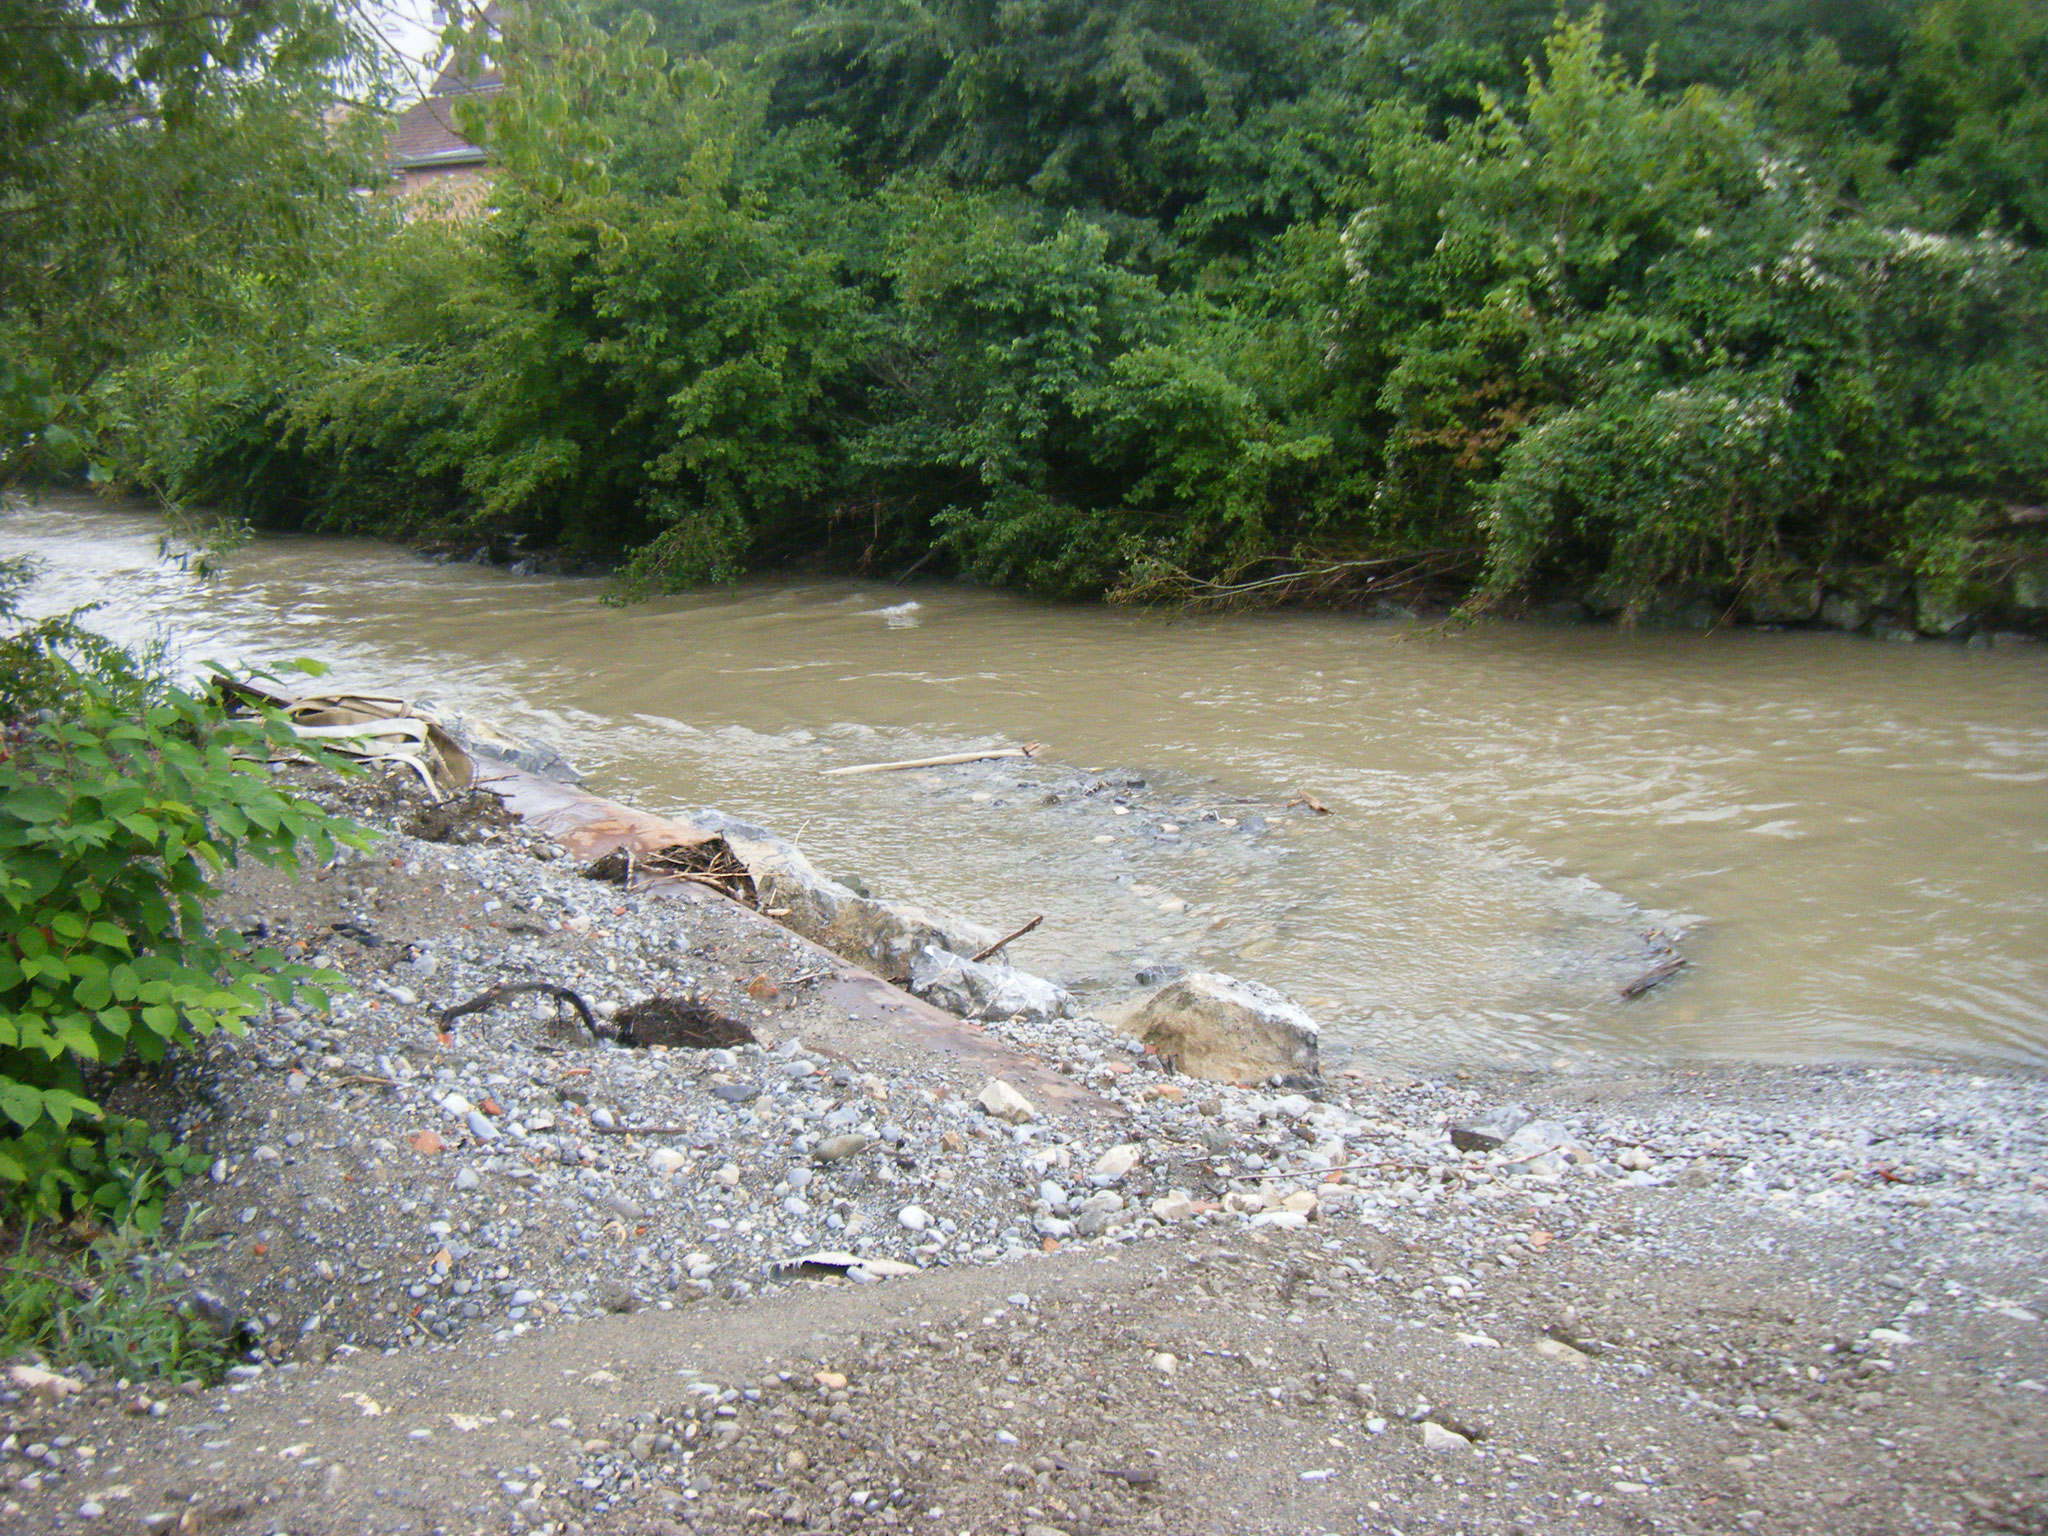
(1213, 1026)
(974, 990)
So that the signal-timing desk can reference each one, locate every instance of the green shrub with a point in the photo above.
(113, 819)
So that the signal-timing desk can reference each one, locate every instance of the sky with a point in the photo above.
(411, 30)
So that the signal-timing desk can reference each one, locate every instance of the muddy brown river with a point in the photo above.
(1846, 838)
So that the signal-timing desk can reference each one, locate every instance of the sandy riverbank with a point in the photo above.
(1687, 1299)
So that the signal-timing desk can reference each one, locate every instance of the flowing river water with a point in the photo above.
(1846, 838)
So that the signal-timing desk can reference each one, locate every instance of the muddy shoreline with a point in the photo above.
(1685, 1298)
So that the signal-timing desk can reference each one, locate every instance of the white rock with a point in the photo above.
(729, 1175)
(42, 1383)
(1005, 1102)
(975, 990)
(1178, 1206)
(1538, 1136)
(1286, 1221)
(1165, 1364)
(885, 1269)
(665, 1160)
(1436, 1438)
(915, 1217)
(1119, 1160)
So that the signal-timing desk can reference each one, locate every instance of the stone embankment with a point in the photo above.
(1047, 1283)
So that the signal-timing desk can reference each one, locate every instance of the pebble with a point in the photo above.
(835, 1149)
(1118, 1161)
(1436, 1438)
(1487, 1132)
(1005, 1102)
(914, 1217)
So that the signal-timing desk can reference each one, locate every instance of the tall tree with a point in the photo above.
(160, 161)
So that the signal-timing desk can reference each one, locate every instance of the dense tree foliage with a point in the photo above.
(162, 162)
(1721, 302)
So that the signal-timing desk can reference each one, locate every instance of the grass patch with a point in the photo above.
(117, 1303)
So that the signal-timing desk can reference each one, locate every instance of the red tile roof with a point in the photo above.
(425, 133)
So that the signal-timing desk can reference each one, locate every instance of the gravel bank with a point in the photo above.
(1638, 1297)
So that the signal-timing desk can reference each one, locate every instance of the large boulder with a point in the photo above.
(977, 991)
(1216, 1027)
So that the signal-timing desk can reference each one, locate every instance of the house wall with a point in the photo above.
(445, 191)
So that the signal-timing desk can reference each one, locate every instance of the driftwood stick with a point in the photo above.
(715, 882)
(1029, 749)
(1297, 1173)
(1655, 976)
(638, 1130)
(500, 993)
(916, 566)
(1004, 942)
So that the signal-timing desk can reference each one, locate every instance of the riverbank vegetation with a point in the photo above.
(1737, 304)
(122, 796)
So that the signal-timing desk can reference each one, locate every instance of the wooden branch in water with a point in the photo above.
(916, 566)
(1004, 942)
(1655, 976)
(1298, 578)
(1029, 749)
(511, 989)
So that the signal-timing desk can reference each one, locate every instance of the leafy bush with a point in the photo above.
(116, 809)
(1284, 298)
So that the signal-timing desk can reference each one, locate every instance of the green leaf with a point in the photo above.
(35, 803)
(20, 1103)
(108, 934)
